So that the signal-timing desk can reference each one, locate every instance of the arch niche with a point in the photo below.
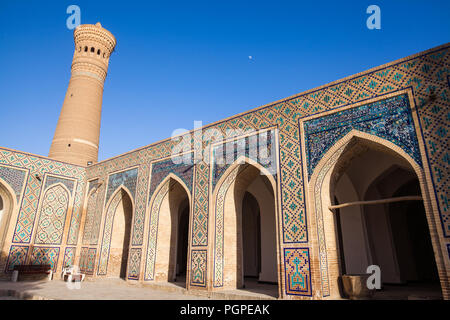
(117, 232)
(363, 167)
(168, 244)
(8, 216)
(245, 225)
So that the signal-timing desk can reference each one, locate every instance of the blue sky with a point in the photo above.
(176, 62)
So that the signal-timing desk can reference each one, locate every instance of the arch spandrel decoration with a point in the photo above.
(389, 119)
(126, 178)
(52, 215)
(15, 177)
(161, 169)
(260, 147)
(51, 180)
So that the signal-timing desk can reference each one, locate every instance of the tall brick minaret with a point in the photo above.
(77, 133)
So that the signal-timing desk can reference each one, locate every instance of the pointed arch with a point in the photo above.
(241, 161)
(8, 215)
(118, 189)
(217, 223)
(356, 134)
(53, 209)
(160, 194)
(319, 197)
(175, 177)
(111, 207)
(8, 191)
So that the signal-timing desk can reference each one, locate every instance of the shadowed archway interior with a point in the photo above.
(394, 236)
(246, 208)
(7, 202)
(172, 237)
(120, 240)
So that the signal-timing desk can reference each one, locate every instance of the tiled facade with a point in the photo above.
(403, 105)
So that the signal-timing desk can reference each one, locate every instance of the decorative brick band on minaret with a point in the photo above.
(77, 133)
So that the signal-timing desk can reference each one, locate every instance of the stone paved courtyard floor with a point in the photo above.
(111, 289)
(118, 289)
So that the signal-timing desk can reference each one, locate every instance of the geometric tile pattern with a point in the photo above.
(134, 263)
(153, 231)
(414, 73)
(389, 119)
(253, 147)
(140, 206)
(15, 177)
(45, 255)
(75, 221)
(127, 178)
(198, 269)
(93, 184)
(297, 271)
(69, 256)
(323, 259)
(40, 166)
(219, 259)
(50, 180)
(52, 215)
(83, 259)
(200, 200)
(161, 169)
(17, 256)
(97, 214)
(88, 224)
(90, 261)
(425, 75)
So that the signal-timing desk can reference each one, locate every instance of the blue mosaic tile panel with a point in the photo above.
(198, 268)
(52, 215)
(297, 271)
(69, 256)
(36, 165)
(127, 178)
(161, 169)
(45, 255)
(92, 184)
(261, 151)
(83, 259)
(14, 177)
(389, 119)
(90, 261)
(50, 180)
(17, 256)
(134, 263)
